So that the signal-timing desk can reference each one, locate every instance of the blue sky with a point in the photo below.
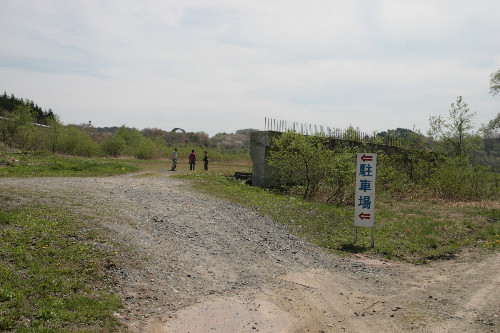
(223, 65)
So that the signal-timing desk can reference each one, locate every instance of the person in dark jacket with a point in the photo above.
(205, 160)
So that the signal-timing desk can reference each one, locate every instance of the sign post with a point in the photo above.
(364, 205)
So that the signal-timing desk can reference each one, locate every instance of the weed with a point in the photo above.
(494, 242)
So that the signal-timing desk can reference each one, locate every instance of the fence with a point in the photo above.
(348, 134)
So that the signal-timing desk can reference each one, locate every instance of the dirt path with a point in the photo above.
(192, 263)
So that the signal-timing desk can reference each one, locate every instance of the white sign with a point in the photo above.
(364, 204)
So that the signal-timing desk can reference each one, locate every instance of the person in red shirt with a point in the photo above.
(192, 160)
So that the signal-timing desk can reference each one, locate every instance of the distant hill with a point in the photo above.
(240, 139)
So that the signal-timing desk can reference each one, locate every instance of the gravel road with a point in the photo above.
(189, 262)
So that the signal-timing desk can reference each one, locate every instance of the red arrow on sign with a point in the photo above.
(364, 216)
(365, 158)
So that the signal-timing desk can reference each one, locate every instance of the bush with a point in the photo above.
(339, 184)
(405, 172)
(146, 150)
(114, 146)
(457, 178)
(26, 137)
(391, 173)
(76, 141)
(133, 139)
(301, 161)
(16, 125)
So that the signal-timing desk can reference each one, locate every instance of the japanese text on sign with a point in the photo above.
(364, 206)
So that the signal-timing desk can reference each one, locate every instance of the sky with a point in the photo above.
(222, 65)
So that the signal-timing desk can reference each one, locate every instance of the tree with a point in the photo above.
(55, 133)
(75, 140)
(9, 104)
(495, 83)
(341, 175)
(132, 137)
(14, 122)
(454, 135)
(301, 160)
(493, 126)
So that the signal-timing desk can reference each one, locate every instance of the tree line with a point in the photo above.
(9, 104)
(24, 125)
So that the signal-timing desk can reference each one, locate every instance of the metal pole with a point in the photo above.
(373, 236)
(355, 234)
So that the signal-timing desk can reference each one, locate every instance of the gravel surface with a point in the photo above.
(188, 262)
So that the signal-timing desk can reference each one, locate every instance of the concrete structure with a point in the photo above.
(178, 129)
(265, 175)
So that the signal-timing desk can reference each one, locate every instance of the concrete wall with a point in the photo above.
(264, 175)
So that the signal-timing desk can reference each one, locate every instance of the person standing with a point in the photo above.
(174, 159)
(192, 160)
(205, 160)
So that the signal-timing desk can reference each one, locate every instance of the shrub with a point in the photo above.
(114, 146)
(457, 178)
(341, 176)
(146, 150)
(14, 124)
(133, 139)
(301, 160)
(26, 137)
(76, 141)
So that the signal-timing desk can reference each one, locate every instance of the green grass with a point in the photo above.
(404, 230)
(42, 164)
(52, 279)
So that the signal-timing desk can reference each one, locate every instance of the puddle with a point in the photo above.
(230, 315)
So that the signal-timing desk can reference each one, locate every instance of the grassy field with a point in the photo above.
(43, 164)
(156, 168)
